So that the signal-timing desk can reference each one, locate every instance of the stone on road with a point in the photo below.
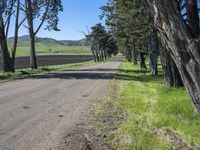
(35, 112)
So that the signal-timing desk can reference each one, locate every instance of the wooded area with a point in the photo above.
(160, 28)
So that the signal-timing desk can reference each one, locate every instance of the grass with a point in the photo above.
(51, 48)
(23, 73)
(158, 117)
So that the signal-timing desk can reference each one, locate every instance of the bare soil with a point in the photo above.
(48, 60)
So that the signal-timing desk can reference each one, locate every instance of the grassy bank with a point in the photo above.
(23, 73)
(158, 117)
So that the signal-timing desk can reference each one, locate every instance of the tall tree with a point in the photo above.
(103, 44)
(8, 8)
(129, 22)
(182, 47)
(170, 71)
(153, 53)
(45, 11)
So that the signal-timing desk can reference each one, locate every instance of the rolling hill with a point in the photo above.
(25, 38)
(82, 42)
(51, 46)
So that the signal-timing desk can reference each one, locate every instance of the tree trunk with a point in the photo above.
(16, 33)
(128, 53)
(142, 61)
(102, 56)
(100, 52)
(7, 64)
(97, 52)
(33, 60)
(153, 65)
(134, 54)
(6, 59)
(184, 50)
(176, 75)
(105, 55)
(170, 71)
(166, 67)
(29, 15)
(193, 17)
(93, 53)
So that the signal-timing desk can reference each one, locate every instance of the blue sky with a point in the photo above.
(76, 16)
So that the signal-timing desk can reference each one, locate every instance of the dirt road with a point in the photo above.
(35, 113)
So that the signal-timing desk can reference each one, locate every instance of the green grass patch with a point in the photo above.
(23, 73)
(158, 117)
(43, 48)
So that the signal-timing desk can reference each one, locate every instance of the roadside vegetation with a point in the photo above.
(157, 117)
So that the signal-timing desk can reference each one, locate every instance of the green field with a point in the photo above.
(157, 117)
(51, 48)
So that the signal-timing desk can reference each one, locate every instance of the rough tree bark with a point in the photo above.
(170, 71)
(153, 52)
(184, 50)
(142, 61)
(8, 60)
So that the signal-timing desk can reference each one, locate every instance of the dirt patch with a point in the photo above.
(92, 135)
(76, 139)
(82, 138)
(175, 140)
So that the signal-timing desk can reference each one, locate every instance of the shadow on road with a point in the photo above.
(103, 74)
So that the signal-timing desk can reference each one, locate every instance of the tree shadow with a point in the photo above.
(103, 74)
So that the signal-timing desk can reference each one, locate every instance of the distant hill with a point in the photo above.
(51, 46)
(25, 38)
(81, 42)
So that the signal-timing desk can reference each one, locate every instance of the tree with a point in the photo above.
(102, 43)
(129, 22)
(8, 8)
(153, 53)
(176, 38)
(45, 11)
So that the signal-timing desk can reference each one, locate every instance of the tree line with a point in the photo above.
(25, 13)
(168, 29)
(103, 44)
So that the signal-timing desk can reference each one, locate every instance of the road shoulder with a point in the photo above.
(104, 119)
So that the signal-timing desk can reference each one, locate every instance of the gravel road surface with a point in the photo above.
(36, 112)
